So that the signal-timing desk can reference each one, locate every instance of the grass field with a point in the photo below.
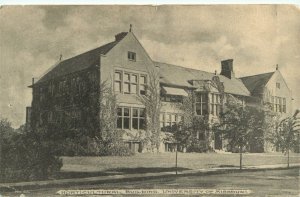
(156, 162)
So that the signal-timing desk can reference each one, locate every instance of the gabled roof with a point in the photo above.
(180, 76)
(82, 61)
(256, 83)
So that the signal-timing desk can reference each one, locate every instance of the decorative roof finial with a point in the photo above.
(277, 67)
(130, 27)
(60, 57)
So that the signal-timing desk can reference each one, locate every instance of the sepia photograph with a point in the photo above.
(150, 100)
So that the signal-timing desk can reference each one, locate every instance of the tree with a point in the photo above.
(240, 125)
(285, 135)
(153, 104)
(185, 133)
(108, 112)
(26, 154)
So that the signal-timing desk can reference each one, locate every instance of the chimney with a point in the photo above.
(120, 36)
(227, 68)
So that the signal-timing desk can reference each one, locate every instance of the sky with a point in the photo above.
(257, 37)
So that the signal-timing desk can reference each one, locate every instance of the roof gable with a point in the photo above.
(81, 61)
(180, 76)
(257, 83)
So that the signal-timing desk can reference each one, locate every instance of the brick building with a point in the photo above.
(67, 95)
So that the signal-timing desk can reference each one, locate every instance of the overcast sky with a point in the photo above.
(256, 37)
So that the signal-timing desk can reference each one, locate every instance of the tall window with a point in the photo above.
(118, 81)
(215, 104)
(273, 103)
(284, 105)
(143, 82)
(201, 104)
(123, 118)
(138, 118)
(280, 104)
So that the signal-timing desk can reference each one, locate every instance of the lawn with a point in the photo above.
(156, 162)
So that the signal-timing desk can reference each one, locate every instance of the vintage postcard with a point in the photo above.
(149, 100)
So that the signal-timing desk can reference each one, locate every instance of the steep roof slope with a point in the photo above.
(256, 83)
(79, 62)
(178, 75)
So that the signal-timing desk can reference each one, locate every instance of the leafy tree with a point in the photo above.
(153, 104)
(286, 135)
(186, 132)
(110, 138)
(26, 154)
(240, 125)
(108, 113)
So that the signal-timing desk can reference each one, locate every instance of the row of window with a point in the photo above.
(278, 104)
(64, 86)
(130, 83)
(131, 118)
(201, 102)
(171, 98)
(169, 120)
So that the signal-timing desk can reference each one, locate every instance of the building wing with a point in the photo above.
(174, 75)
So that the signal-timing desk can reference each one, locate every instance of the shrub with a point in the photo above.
(198, 146)
(86, 146)
(115, 149)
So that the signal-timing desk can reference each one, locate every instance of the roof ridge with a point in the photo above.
(89, 51)
(257, 75)
(183, 67)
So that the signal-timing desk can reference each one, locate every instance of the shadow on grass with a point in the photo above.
(116, 171)
(227, 166)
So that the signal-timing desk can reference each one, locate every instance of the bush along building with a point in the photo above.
(66, 98)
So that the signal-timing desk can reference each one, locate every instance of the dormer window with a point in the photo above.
(131, 56)
(278, 85)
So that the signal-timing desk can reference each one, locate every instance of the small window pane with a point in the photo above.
(126, 111)
(126, 87)
(204, 98)
(133, 88)
(134, 78)
(135, 123)
(142, 90)
(212, 109)
(126, 123)
(161, 117)
(173, 119)
(204, 109)
(127, 77)
(119, 123)
(135, 112)
(179, 118)
(118, 76)
(142, 124)
(117, 86)
(198, 108)
(119, 111)
(142, 112)
(168, 117)
(143, 80)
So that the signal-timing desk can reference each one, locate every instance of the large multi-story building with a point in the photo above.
(67, 95)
